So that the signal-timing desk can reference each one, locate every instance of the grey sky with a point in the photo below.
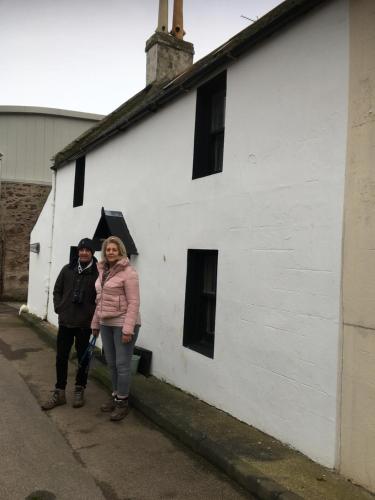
(88, 55)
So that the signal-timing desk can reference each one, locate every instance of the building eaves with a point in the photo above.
(33, 110)
(152, 97)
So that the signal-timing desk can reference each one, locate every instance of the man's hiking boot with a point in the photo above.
(78, 396)
(121, 410)
(57, 399)
(108, 405)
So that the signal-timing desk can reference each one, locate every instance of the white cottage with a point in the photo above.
(246, 184)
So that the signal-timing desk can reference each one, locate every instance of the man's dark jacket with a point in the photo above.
(74, 295)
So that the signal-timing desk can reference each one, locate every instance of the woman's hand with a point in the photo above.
(95, 332)
(126, 338)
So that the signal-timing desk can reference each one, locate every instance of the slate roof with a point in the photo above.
(152, 97)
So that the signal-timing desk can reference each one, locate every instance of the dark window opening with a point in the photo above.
(200, 301)
(209, 127)
(79, 182)
(73, 255)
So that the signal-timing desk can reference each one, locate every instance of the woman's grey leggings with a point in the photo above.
(118, 356)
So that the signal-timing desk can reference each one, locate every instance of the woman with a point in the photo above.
(117, 317)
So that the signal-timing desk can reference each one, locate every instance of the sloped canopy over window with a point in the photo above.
(112, 223)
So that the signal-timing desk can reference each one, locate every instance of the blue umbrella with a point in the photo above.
(89, 353)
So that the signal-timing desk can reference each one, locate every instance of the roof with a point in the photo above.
(152, 97)
(32, 110)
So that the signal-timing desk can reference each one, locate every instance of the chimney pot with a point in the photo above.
(163, 16)
(178, 19)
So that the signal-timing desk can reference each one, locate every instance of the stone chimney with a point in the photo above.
(168, 54)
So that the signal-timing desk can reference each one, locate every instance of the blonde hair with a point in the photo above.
(117, 242)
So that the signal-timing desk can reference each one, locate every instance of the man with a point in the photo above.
(74, 301)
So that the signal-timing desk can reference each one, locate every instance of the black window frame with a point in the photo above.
(200, 301)
(210, 127)
(79, 182)
(73, 254)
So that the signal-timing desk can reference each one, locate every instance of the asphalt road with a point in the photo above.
(79, 454)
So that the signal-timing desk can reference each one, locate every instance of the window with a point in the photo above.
(200, 301)
(79, 182)
(73, 256)
(209, 127)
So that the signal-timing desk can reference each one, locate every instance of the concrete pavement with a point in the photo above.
(263, 466)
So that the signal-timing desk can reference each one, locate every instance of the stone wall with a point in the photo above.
(20, 206)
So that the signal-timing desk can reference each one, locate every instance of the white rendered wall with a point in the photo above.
(70, 224)
(39, 263)
(275, 216)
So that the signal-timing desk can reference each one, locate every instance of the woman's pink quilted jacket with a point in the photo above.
(119, 295)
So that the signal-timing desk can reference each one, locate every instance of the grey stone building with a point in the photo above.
(29, 137)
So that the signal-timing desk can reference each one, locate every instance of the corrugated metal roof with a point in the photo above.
(153, 97)
(33, 110)
(29, 138)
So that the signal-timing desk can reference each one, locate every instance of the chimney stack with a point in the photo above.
(168, 54)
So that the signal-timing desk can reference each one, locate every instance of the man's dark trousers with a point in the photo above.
(65, 339)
